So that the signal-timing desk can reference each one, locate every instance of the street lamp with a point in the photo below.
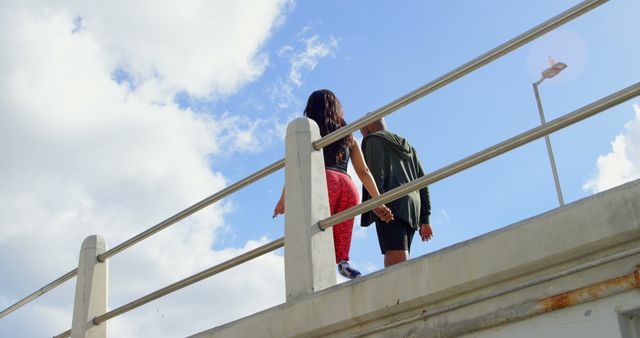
(554, 69)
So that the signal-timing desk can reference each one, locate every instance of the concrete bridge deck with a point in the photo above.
(414, 299)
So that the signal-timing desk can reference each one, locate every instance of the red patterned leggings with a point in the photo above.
(343, 195)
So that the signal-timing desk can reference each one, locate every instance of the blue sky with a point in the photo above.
(116, 115)
(384, 52)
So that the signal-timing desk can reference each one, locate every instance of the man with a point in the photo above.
(393, 162)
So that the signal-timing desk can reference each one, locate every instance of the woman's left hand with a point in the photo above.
(279, 209)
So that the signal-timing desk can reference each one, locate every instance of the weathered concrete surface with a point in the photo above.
(91, 290)
(595, 319)
(585, 230)
(309, 254)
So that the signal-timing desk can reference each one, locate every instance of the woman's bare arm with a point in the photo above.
(362, 170)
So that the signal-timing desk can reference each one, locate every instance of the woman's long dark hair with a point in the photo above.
(324, 107)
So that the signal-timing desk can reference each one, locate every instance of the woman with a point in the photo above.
(324, 108)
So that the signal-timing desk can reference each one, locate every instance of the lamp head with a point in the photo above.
(554, 69)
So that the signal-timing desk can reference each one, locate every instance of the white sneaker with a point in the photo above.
(347, 271)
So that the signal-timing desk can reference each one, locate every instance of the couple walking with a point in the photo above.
(386, 161)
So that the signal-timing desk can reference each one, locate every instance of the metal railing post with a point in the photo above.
(91, 290)
(547, 140)
(308, 253)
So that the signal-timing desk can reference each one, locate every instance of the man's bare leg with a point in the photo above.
(392, 257)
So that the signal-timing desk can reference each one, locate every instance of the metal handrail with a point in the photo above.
(484, 155)
(249, 255)
(194, 208)
(160, 226)
(64, 334)
(39, 292)
(459, 72)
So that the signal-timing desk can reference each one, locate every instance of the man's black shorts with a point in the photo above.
(395, 235)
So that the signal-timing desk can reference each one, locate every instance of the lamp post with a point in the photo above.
(554, 69)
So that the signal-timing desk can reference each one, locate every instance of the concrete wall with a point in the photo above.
(601, 318)
(394, 302)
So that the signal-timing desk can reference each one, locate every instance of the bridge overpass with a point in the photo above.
(570, 272)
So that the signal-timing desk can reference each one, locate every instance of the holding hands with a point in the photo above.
(384, 213)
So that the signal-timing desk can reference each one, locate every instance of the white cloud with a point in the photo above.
(249, 135)
(445, 214)
(198, 46)
(282, 94)
(370, 267)
(82, 154)
(440, 217)
(622, 164)
(315, 49)
(302, 61)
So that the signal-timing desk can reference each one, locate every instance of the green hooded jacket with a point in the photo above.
(393, 162)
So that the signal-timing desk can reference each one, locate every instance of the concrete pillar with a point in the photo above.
(91, 290)
(309, 253)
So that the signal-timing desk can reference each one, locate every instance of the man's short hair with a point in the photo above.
(379, 124)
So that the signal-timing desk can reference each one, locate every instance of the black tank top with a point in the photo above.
(330, 152)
